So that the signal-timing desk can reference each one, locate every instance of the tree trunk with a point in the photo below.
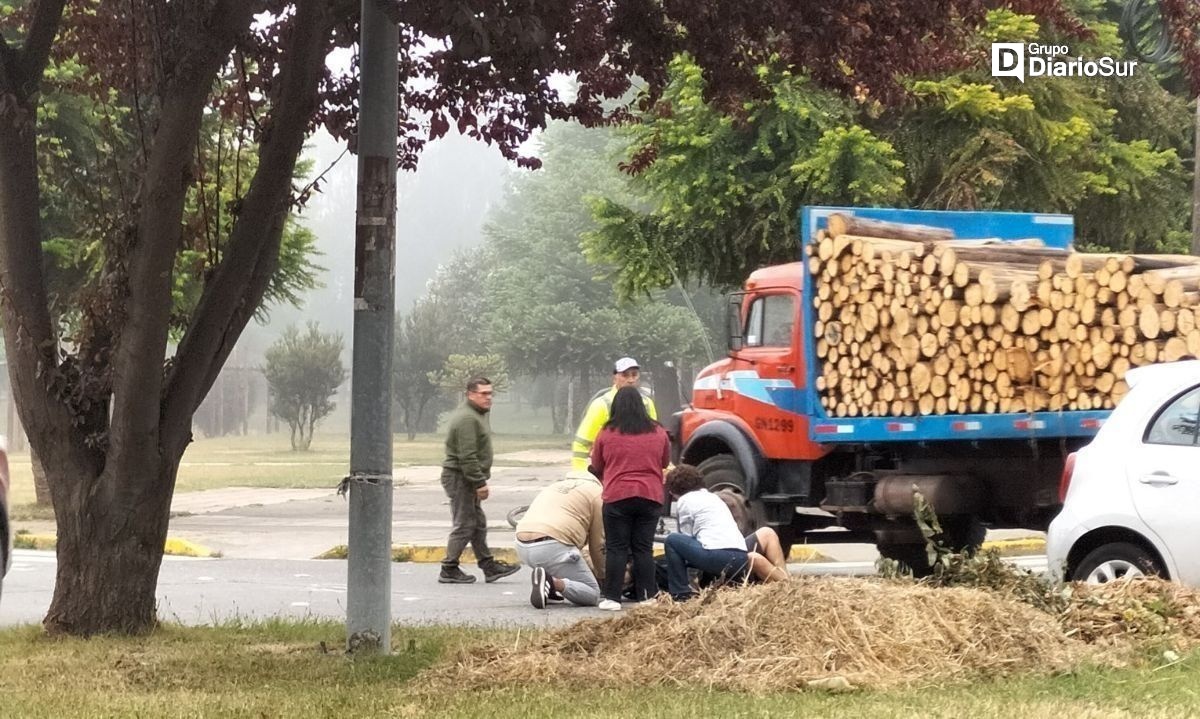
(110, 546)
(41, 487)
(556, 413)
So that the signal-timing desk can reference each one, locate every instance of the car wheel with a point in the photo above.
(1113, 561)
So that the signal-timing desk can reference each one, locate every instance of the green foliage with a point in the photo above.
(88, 138)
(548, 311)
(303, 371)
(450, 319)
(459, 369)
(716, 194)
(722, 192)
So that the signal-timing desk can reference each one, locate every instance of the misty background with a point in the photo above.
(442, 207)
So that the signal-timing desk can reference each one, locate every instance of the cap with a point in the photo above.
(624, 364)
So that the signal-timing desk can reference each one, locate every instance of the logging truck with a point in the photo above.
(963, 355)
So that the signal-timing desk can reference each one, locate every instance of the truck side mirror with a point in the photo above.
(734, 321)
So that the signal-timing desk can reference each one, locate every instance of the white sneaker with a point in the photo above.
(609, 605)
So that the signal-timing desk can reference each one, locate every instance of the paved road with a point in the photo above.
(203, 591)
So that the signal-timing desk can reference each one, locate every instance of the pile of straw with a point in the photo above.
(825, 632)
(1136, 611)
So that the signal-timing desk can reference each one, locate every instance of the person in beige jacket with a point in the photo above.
(563, 519)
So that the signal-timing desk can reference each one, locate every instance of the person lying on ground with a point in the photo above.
(765, 552)
(708, 538)
(767, 562)
(564, 518)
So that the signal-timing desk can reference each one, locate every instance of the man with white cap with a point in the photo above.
(626, 373)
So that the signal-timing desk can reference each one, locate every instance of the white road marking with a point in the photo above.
(299, 604)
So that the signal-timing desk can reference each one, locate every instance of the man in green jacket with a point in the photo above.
(465, 474)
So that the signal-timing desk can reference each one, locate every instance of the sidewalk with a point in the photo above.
(262, 523)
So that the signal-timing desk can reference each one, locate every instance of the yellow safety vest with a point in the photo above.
(593, 421)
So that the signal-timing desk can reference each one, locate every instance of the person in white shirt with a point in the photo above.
(708, 537)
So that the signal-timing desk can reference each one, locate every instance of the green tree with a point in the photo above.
(304, 371)
(459, 369)
(451, 318)
(721, 191)
(718, 191)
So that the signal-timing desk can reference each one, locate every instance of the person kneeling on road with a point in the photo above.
(708, 537)
(563, 519)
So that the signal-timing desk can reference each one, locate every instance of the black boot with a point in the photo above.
(494, 569)
(451, 574)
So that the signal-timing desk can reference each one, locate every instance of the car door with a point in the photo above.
(1164, 480)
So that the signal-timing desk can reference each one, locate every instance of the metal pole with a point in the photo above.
(369, 580)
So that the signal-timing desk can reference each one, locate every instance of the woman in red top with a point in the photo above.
(629, 456)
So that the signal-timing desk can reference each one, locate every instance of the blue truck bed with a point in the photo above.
(1054, 230)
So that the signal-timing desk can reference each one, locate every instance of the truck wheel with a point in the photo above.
(959, 534)
(914, 556)
(722, 471)
(1113, 561)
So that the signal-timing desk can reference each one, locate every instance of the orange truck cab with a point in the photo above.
(755, 423)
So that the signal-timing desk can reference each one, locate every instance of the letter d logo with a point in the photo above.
(1008, 60)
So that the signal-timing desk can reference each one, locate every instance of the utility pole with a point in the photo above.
(369, 574)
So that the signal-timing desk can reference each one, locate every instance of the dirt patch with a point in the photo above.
(839, 634)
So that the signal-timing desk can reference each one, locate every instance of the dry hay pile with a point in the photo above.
(824, 632)
(1133, 612)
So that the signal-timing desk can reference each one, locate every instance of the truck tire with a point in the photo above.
(722, 471)
(1113, 561)
(959, 534)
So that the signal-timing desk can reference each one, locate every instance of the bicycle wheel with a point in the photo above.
(514, 515)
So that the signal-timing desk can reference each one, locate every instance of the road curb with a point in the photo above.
(1016, 547)
(174, 546)
(805, 554)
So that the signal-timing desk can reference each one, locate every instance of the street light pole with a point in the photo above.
(369, 573)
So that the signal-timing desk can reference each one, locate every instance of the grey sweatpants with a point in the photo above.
(562, 561)
(467, 518)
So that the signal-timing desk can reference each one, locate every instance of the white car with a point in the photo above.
(1131, 497)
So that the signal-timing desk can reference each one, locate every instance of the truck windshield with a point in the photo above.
(769, 322)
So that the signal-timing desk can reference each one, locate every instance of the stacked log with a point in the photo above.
(910, 321)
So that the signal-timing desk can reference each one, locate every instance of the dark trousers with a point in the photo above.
(685, 551)
(467, 518)
(629, 526)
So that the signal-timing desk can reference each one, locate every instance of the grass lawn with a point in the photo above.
(278, 669)
(268, 461)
